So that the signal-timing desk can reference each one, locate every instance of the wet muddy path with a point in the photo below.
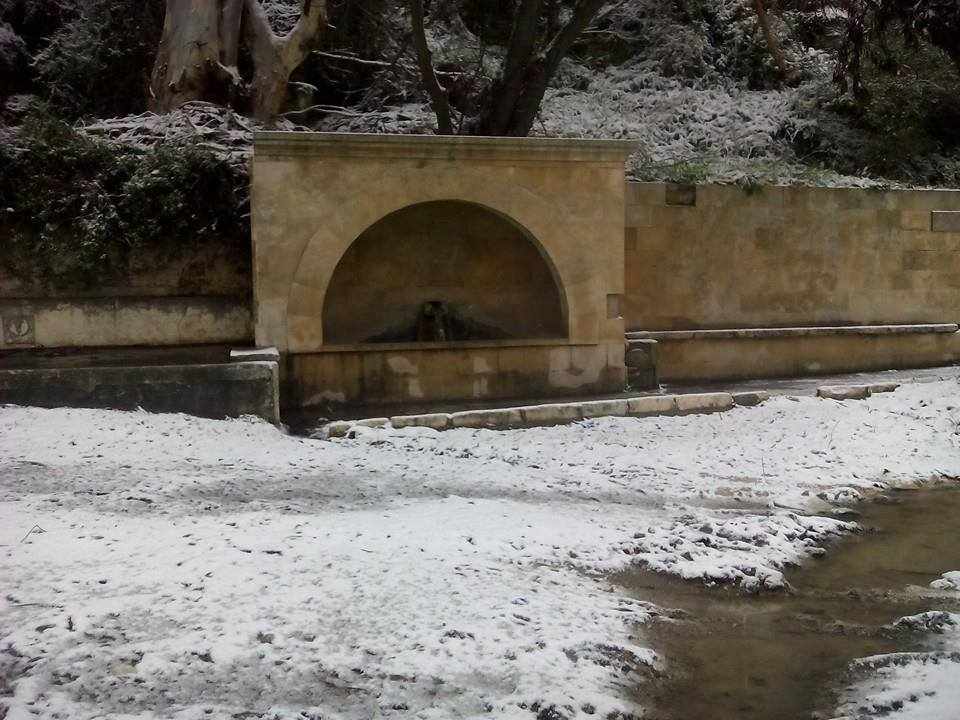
(730, 655)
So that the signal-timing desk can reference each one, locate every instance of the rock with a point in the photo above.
(551, 414)
(500, 419)
(641, 362)
(948, 581)
(652, 405)
(337, 429)
(883, 387)
(603, 408)
(372, 422)
(750, 398)
(641, 354)
(844, 392)
(436, 421)
(704, 403)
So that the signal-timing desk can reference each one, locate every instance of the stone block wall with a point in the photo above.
(727, 257)
(201, 297)
(216, 391)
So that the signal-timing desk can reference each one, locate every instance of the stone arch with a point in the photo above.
(543, 219)
(444, 270)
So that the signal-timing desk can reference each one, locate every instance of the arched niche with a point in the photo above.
(444, 270)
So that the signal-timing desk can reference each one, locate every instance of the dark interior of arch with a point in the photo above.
(442, 272)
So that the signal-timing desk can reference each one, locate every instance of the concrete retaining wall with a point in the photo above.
(226, 390)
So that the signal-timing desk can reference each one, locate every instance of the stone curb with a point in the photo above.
(501, 419)
(551, 414)
(854, 392)
(704, 403)
(434, 421)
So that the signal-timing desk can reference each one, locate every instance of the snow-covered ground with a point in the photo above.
(168, 566)
(911, 685)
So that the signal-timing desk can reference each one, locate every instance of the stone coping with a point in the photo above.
(759, 333)
(733, 187)
(274, 143)
(262, 354)
(450, 345)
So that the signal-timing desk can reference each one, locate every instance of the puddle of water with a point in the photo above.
(732, 655)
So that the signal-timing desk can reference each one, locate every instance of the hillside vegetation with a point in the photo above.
(826, 92)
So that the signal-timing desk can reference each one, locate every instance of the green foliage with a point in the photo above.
(695, 172)
(13, 58)
(99, 62)
(36, 21)
(903, 124)
(73, 209)
(371, 30)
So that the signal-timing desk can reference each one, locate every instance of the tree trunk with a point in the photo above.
(269, 86)
(197, 56)
(231, 19)
(438, 96)
(508, 88)
(773, 42)
(275, 58)
(515, 99)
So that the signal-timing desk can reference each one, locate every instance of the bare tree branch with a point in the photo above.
(438, 96)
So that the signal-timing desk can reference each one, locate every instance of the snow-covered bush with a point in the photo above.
(73, 208)
(905, 126)
(99, 63)
(13, 59)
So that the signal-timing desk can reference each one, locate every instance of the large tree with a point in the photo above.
(543, 33)
(200, 47)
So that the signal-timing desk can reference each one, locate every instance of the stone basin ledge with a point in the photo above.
(757, 333)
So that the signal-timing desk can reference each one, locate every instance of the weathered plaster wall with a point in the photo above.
(201, 297)
(405, 374)
(724, 257)
(94, 322)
